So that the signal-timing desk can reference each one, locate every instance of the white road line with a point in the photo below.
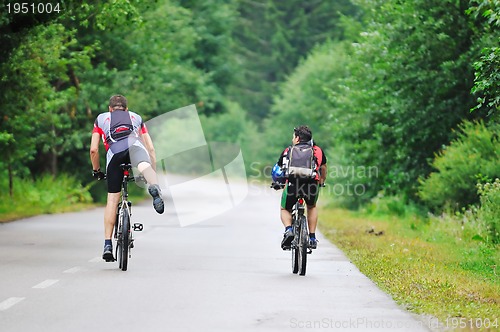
(73, 270)
(95, 260)
(10, 302)
(46, 283)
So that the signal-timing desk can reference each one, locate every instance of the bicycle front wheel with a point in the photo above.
(123, 245)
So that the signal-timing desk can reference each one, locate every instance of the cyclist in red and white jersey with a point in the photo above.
(126, 140)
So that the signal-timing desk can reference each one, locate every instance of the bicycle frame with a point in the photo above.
(124, 204)
(299, 208)
(123, 230)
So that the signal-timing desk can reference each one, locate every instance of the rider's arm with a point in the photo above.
(323, 169)
(148, 143)
(94, 151)
(322, 174)
(282, 157)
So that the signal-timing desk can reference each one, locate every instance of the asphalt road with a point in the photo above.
(227, 273)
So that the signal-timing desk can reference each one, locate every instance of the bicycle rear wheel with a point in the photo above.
(295, 259)
(123, 246)
(302, 246)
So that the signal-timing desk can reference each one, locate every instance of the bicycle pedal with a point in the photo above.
(138, 227)
(309, 251)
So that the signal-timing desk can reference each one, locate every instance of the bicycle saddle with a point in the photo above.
(126, 167)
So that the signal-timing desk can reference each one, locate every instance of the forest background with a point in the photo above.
(409, 89)
(403, 96)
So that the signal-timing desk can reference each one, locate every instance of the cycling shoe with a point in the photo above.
(313, 243)
(286, 243)
(108, 254)
(154, 191)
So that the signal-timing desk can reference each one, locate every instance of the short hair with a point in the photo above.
(303, 132)
(118, 101)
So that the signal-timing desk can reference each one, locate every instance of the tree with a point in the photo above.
(271, 37)
(409, 86)
(41, 63)
(487, 73)
(304, 98)
(213, 23)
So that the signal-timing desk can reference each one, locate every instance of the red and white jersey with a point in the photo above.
(119, 129)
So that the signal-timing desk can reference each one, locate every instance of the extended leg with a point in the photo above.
(148, 172)
(154, 189)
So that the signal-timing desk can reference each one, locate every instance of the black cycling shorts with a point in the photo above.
(296, 188)
(114, 173)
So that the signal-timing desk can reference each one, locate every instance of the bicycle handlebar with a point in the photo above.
(278, 186)
(137, 179)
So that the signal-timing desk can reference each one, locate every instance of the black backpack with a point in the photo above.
(301, 161)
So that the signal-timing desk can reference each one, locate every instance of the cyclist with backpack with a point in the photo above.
(126, 140)
(303, 165)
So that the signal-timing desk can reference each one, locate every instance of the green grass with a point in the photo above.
(45, 195)
(48, 195)
(434, 266)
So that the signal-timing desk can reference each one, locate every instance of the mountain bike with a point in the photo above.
(123, 234)
(300, 245)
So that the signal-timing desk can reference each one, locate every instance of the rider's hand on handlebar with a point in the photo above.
(98, 174)
(277, 186)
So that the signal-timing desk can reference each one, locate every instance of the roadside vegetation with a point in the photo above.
(44, 195)
(436, 266)
(48, 195)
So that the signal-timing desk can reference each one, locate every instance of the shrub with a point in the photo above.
(488, 213)
(473, 157)
(44, 195)
(399, 206)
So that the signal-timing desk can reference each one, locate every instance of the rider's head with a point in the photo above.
(117, 102)
(303, 133)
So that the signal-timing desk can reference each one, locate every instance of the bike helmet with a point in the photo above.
(277, 174)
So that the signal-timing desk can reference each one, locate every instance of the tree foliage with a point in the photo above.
(487, 74)
(382, 83)
(409, 87)
(303, 98)
(271, 37)
(58, 71)
(394, 97)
